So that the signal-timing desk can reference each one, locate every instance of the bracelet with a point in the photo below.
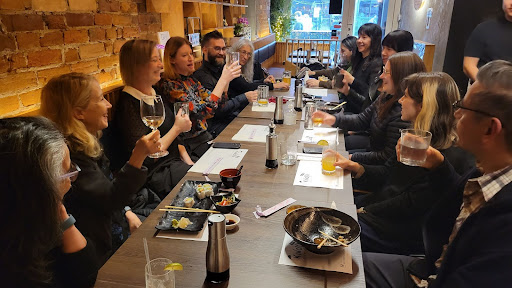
(67, 223)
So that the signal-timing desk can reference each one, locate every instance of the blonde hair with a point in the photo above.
(171, 48)
(436, 91)
(59, 97)
(133, 55)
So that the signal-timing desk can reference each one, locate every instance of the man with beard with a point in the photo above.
(214, 57)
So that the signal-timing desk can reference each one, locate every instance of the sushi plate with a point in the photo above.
(188, 189)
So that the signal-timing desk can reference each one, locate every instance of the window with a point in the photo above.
(312, 19)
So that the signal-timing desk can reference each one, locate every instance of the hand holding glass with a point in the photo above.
(184, 106)
(152, 112)
(413, 146)
(232, 57)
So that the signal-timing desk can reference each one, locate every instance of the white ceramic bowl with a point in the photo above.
(234, 218)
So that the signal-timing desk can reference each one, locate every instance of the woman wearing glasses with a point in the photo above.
(178, 85)
(382, 118)
(75, 103)
(40, 243)
(391, 216)
(252, 73)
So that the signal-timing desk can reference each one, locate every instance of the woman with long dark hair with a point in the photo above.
(39, 243)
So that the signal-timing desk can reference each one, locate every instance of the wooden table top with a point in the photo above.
(254, 246)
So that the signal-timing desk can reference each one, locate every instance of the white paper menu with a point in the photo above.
(309, 174)
(252, 133)
(320, 133)
(216, 159)
(315, 91)
(271, 107)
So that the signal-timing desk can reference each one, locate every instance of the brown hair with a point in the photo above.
(402, 64)
(60, 96)
(133, 55)
(435, 92)
(171, 48)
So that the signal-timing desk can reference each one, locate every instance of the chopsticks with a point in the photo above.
(321, 243)
(338, 106)
(185, 209)
(332, 238)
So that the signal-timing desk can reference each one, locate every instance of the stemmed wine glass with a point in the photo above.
(152, 112)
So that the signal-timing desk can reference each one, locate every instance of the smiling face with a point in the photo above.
(386, 53)
(245, 54)
(410, 108)
(150, 73)
(387, 82)
(95, 116)
(183, 62)
(216, 51)
(363, 44)
(346, 54)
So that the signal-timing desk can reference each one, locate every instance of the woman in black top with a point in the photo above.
(252, 73)
(76, 104)
(39, 243)
(391, 216)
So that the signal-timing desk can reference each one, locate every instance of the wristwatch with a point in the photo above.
(127, 208)
(67, 223)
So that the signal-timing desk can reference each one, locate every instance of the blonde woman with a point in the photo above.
(75, 103)
(391, 217)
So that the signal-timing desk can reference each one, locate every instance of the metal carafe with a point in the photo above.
(298, 98)
(217, 255)
(271, 148)
(278, 112)
(308, 117)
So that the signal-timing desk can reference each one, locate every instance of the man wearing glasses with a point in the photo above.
(467, 234)
(214, 58)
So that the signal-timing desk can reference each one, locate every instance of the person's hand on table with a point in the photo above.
(133, 221)
(281, 85)
(182, 122)
(313, 83)
(311, 73)
(270, 79)
(231, 72)
(347, 76)
(434, 157)
(252, 96)
(327, 118)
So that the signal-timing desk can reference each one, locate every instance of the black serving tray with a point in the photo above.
(188, 189)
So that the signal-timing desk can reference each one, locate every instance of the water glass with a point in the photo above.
(287, 77)
(288, 152)
(184, 108)
(263, 95)
(156, 276)
(232, 57)
(413, 146)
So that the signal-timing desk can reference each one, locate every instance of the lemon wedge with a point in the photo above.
(323, 143)
(173, 266)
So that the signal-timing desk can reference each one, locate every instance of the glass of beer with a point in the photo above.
(413, 146)
(263, 95)
(328, 159)
(287, 77)
(318, 121)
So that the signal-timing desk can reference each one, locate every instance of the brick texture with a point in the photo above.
(18, 61)
(79, 19)
(31, 98)
(92, 51)
(129, 32)
(15, 4)
(8, 104)
(117, 45)
(45, 75)
(96, 34)
(44, 57)
(52, 39)
(82, 5)
(49, 5)
(19, 22)
(76, 36)
(108, 61)
(55, 21)
(17, 82)
(103, 19)
(5, 64)
(121, 20)
(28, 40)
(109, 6)
(85, 66)
(71, 55)
(111, 33)
(7, 42)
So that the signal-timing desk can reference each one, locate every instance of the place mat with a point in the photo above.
(293, 254)
(309, 174)
(271, 107)
(315, 91)
(252, 133)
(320, 133)
(202, 235)
(217, 159)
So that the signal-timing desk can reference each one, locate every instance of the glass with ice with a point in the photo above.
(413, 146)
(156, 276)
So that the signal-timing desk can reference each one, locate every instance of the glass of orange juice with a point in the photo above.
(262, 95)
(287, 77)
(328, 159)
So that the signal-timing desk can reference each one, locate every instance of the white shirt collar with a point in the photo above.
(136, 93)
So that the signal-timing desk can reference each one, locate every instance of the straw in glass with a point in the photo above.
(146, 251)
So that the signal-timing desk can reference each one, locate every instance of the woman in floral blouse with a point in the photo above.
(177, 85)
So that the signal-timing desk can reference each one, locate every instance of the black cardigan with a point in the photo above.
(240, 85)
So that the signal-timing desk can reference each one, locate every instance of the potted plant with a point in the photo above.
(241, 27)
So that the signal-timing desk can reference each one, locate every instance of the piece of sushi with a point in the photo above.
(201, 194)
(184, 222)
(189, 202)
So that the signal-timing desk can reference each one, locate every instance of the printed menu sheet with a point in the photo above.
(315, 91)
(293, 254)
(216, 159)
(252, 133)
(309, 174)
(319, 133)
(271, 107)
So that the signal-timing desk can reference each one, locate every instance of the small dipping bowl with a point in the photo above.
(231, 221)
(230, 177)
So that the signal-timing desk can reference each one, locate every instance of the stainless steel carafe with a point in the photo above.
(278, 112)
(298, 98)
(308, 117)
(271, 148)
(217, 255)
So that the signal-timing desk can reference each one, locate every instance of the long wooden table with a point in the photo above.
(254, 246)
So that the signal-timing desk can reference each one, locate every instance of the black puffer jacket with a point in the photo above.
(384, 133)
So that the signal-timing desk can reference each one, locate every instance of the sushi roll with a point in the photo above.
(189, 202)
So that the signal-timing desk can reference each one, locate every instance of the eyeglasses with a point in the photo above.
(72, 173)
(218, 48)
(384, 71)
(458, 105)
(246, 54)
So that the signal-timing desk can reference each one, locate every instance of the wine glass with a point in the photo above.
(152, 112)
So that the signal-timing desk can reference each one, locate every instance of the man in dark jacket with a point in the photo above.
(214, 56)
(467, 234)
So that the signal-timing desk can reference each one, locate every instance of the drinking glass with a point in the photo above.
(262, 95)
(288, 152)
(152, 112)
(287, 77)
(413, 146)
(184, 106)
(328, 159)
(156, 276)
(318, 121)
(232, 57)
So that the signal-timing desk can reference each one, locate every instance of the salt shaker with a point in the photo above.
(217, 255)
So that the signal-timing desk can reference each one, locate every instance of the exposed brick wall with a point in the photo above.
(40, 39)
